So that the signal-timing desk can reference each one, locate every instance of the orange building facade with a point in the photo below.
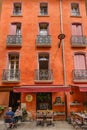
(40, 68)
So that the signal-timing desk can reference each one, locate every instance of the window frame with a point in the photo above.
(41, 4)
(76, 13)
(16, 24)
(43, 54)
(10, 54)
(43, 23)
(16, 13)
(81, 53)
(76, 24)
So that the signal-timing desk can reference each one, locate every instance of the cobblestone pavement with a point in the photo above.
(59, 125)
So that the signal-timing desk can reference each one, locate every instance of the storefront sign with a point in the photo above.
(29, 98)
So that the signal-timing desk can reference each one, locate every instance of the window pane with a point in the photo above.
(17, 9)
(43, 9)
(75, 9)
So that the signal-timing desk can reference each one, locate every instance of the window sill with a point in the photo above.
(43, 15)
(43, 81)
(16, 15)
(80, 81)
(78, 16)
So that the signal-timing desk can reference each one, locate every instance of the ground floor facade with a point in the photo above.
(61, 101)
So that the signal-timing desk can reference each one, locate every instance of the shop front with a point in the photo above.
(47, 98)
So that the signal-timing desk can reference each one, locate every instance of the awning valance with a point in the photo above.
(82, 87)
(27, 89)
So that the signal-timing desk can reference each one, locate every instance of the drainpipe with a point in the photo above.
(62, 42)
(63, 57)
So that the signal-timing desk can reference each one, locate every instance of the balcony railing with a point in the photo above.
(78, 41)
(80, 75)
(43, 41)
(11, 75)
(14, 40)
(44, 75)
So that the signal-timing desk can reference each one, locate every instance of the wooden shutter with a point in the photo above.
(79, 61)
(74, 32)
(13, 29)
(79, 29)
(76, 29)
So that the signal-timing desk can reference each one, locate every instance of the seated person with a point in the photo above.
(9, 117)
(18, 114)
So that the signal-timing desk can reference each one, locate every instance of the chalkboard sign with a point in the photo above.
(43, 106)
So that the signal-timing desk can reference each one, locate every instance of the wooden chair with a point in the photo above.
(84, 126)
(39, 118)
(8, 122)
(49, 118)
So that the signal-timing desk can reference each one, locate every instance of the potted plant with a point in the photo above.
(1, 109)
(24, 114)
(85, 105)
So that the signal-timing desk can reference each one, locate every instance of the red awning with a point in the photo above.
(41, 89)
(82, 87)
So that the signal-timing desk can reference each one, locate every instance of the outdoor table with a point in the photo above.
(81, 117)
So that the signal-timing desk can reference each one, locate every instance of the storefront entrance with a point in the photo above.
(44, 101)
(14, 100)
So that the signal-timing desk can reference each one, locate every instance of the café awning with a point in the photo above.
(44, 88)
(82, 87)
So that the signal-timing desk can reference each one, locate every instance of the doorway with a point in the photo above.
(44, 101)
(43, 66)
(14, 100)
(13, 66)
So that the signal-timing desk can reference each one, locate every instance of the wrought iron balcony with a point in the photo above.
(44, 75)
(80, 75)
(78, 41)
(11, 75)
(14, 40)
(43, 41)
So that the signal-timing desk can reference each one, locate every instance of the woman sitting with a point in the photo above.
(18, 114)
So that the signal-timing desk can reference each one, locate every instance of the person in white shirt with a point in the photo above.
(18, 114)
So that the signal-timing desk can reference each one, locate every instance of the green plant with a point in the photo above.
(1, 108)
(85, 104)
(24, 112)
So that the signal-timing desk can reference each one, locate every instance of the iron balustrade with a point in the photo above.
(11, 75)
(43, 40)
(14, 39)
(80, 74)
(43, 74)
(78, 41)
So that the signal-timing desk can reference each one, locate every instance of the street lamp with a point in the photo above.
(60, 36)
